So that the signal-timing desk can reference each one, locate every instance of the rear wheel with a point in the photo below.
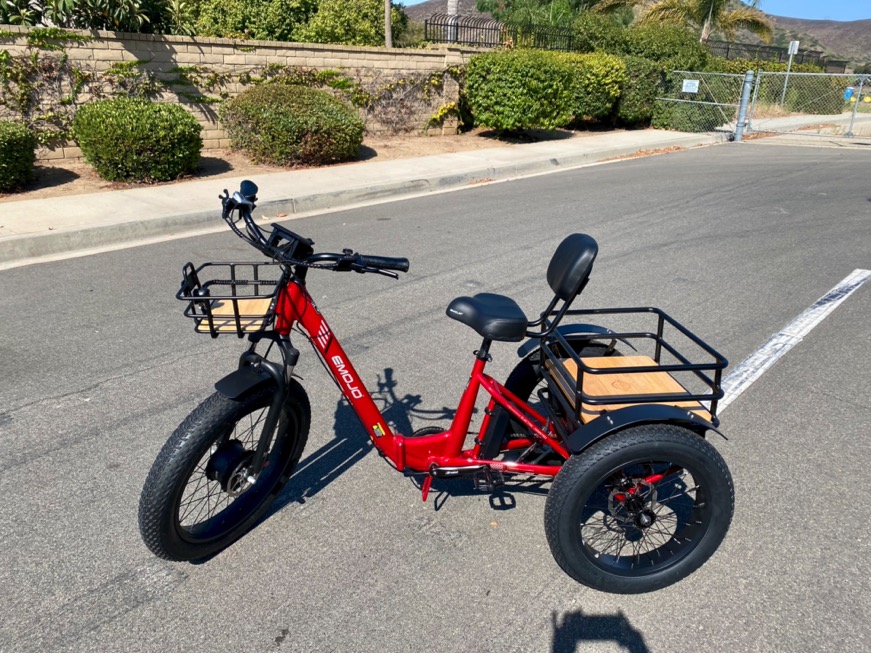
(198, 497)
(639, 510)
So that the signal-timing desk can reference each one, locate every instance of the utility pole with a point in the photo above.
(388, 23)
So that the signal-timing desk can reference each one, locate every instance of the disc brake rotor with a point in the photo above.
(626, 505)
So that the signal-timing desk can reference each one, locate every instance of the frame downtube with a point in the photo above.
(296, 305)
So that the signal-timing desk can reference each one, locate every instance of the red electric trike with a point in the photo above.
(617, 419)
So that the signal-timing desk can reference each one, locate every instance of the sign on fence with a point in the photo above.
(690, 86)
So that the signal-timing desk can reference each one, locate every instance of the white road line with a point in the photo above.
(755, 365)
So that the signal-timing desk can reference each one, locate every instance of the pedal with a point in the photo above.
(487, 480)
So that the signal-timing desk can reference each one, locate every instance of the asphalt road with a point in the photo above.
(98, 367)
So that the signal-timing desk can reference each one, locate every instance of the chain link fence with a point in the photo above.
(698, 102)
(811, 104)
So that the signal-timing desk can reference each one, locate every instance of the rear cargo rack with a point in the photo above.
(581, 389)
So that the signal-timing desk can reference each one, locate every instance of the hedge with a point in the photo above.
(17, 155)
(290, 125)
(741, 66)
(128, 139)
(598, 79)
(595, 32)
(672, 46)
(520, 89)
(642, 85)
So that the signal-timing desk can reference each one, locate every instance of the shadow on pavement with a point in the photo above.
(320, 468)
(575, 628)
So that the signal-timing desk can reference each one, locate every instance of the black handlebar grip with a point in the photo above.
(385, 263)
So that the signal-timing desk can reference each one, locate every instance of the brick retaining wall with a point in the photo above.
(164, 54)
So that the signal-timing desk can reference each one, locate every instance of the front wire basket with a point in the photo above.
(659, 371)
(237, 298)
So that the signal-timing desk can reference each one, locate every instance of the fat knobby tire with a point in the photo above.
(582, 474)
(207, 425)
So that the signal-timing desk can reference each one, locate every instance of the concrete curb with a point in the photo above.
(465, 169)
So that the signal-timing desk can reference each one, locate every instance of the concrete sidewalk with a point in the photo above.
(36, 230)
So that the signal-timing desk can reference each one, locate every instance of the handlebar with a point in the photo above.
(287, 247)
(385, 262)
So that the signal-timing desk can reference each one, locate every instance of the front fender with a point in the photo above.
(243, 382)
(570, 331)
(617, 420)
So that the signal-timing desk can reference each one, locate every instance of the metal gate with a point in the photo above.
(699, 102)
(811, 104)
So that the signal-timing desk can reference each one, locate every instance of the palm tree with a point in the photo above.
(709, 15)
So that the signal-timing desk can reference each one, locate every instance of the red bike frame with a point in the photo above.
(425, 453)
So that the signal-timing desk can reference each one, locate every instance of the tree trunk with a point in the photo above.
(388, 23)
(707, 28)
(708, 25)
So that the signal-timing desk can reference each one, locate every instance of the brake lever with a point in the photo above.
(359, 268)
(227, 204)
(380, 271)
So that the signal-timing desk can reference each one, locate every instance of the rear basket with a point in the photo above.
(659, 372)
(234, 298)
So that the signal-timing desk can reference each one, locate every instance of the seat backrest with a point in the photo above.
(571, 265)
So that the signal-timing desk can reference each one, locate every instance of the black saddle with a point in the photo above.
(493, 316)
(498, 317)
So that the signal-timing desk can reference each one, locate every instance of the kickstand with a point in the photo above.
(424, 488)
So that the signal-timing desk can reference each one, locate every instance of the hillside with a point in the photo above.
(424, 10)
(839, 40)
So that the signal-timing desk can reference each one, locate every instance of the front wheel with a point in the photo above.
(639, 510)
(198, 497)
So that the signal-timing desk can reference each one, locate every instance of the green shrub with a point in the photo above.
(128, 139)
(597, 83)
(270, 20)
(741, 66)
(520, 89)
(643, 84)
(595, 32)
(351, 22)
(289, 125)
(17, 155)
(672, 46)
(685, 117)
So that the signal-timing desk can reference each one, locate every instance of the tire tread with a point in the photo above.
(577, 467)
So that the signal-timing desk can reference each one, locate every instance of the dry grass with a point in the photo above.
(770, 110)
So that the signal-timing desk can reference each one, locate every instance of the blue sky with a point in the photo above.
(827, 10)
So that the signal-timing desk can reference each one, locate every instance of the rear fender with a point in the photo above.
(617, 420)
(571, 332)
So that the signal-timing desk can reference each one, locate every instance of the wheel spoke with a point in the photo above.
(611, 527)
(204, 498)
(680, 494)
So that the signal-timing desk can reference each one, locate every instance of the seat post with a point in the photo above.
(483, 354)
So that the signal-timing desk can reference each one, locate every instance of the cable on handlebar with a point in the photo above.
(269, 242)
